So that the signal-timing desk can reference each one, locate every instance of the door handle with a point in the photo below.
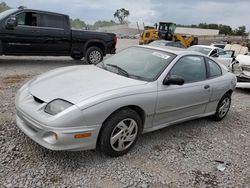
(206, 86)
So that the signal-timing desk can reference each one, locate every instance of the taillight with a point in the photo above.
(115, 40)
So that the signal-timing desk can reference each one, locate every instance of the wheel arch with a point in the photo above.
(230, 91)
(98, 43)
(136, 108)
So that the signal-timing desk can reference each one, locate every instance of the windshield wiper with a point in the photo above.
(120, 70)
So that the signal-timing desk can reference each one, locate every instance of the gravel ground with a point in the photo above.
(184, 155)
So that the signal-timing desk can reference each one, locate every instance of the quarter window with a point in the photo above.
(214, 68)
(191, 68)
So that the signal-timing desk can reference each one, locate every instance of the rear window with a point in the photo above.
(53, 21)
(214, 68)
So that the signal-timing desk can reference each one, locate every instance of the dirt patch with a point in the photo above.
(14, 79)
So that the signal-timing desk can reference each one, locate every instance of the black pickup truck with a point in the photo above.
(33, 32)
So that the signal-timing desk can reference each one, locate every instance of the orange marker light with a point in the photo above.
(82, 135)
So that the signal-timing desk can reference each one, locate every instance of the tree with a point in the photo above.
(103, 23)
(225, 29)
(121, 14)
(77, 23)
(3, 6)
(240, 30)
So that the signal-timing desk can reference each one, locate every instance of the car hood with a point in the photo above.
(78, 83)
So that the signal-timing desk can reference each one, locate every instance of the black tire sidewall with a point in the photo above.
(108, 127)
(89, 50)
(217, 116)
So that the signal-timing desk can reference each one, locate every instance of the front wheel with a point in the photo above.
(223, 107)
(94, 55)
(120, 132)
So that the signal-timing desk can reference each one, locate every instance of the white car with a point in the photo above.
(224, 57)
(241, 68)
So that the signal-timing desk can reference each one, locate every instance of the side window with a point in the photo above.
(20, 19)
(213, 53)
(214, 68)
(191, 68)
(53, 21)
(27, 18)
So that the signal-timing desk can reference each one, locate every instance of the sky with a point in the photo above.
(230, 12)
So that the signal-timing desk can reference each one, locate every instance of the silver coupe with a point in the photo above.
(108, 105)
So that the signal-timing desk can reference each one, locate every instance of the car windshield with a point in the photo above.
(6, 13)
(138, 63)
(200, 49)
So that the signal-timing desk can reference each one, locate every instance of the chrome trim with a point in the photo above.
(38, 27)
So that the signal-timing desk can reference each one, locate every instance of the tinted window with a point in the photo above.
(53, 21)
(214, 68)
(191, 68)
(27, 18)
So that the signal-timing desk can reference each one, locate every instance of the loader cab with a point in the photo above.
(166, 30)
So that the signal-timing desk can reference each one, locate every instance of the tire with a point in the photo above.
(222, 112)
(94, 55)
(77, 56)
(116, 129)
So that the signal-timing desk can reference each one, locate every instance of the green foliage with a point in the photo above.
(77, 23)
(223, 29)
(4, 6)
(103, 23)
(240, 30)
(121, 14)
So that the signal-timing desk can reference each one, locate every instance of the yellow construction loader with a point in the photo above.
(166, 31)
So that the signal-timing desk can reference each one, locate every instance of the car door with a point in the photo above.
(55, 34)
(25, 37)
(178, 102)
(225, 57)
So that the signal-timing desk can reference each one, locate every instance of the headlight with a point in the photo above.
(56, 106)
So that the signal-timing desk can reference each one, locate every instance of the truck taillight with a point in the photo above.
(115, 40)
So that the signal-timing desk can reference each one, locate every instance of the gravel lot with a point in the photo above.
(184, 155)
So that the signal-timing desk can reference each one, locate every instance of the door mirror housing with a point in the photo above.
(173, 80)
(11, 22)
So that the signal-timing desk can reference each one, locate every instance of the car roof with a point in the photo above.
(206, 46)
(170, 49)
(40, 11)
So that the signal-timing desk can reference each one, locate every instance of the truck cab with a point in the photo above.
(34, 32)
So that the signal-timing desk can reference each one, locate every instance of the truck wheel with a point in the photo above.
(120, 132)
(94, 55)
(77, 56)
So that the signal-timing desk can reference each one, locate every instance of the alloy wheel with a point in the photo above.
(124, 134)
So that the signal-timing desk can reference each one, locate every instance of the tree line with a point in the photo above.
(223, 29)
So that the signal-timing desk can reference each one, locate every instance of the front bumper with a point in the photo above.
(65, 138)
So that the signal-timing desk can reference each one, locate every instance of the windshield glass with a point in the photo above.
(200, 49)
(6, 13)
(138, 63)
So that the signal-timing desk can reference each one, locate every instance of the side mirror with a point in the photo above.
(173, 80)
(11, 22)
